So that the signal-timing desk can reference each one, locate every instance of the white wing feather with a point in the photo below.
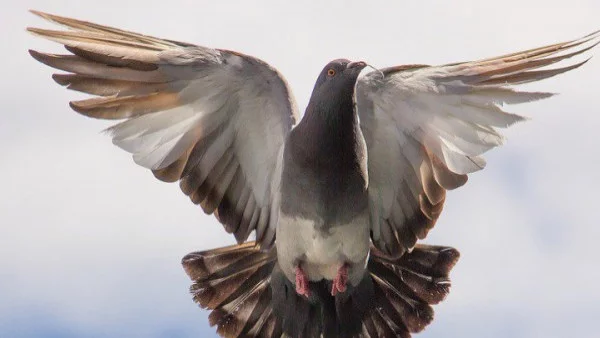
(213, 119)
(427, 127)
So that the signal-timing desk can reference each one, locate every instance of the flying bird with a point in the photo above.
(336, 200)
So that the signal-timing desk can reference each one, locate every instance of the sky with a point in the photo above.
(90, 243)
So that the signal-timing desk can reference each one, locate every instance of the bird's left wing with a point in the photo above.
(427, 127)
(213, 119)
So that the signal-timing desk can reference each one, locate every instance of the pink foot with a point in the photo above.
(302, 282)
(339, 282)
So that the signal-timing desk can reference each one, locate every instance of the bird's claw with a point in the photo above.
(302, 287)
(340, 280)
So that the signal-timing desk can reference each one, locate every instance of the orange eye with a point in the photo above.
(331, 72)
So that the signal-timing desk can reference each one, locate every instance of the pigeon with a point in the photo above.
(335, 200)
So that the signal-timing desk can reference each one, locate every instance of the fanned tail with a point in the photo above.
(234, 282)
(250, 297)
(405, 289)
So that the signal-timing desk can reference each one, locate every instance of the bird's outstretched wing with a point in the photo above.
(212, 119)
(426, 128)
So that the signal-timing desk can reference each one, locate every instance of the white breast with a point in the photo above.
(321, 252)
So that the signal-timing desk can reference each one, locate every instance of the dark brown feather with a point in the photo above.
(199, 194)
(431, 187)
(227, 213)
(400, 304)
(405, 288)
(389, 240)
(420, 197)
(259, 313)
(211, 178)
(271, 328)
(234, 283)
(235, 321)
(248, 220)
(384, 329)
(214, 293)
(445, 177)
(261, 226)
(172, 172)
(199, 265)
(429, 210)
(214, 198)
(369, 328)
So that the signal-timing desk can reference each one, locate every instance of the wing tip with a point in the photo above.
(593, 35)
(61, 79)
(43, 15)
(571, 67)
(39, 56)
(35, 30)
(45, 58)
(81, 109)
(47, 16)
(78, 108)
(38, 13)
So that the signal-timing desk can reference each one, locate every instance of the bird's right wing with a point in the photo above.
(213, 119)
(426, 128)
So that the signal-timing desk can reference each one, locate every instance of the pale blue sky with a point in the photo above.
(90, 243)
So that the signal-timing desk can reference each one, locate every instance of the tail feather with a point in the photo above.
(234, 282)
(250, 297)
(386, 328)
(298, 316)
(405, 289)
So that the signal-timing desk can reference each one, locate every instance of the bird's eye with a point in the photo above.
(331, 72)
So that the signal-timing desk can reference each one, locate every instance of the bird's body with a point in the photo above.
(325, 224)
(336, 200)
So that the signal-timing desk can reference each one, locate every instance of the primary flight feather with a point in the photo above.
(337, 200)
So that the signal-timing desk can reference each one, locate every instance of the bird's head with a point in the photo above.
(338, 76)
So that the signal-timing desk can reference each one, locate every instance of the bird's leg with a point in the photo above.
(340, 280)
(302, 282)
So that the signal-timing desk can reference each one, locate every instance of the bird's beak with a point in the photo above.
(356, 64)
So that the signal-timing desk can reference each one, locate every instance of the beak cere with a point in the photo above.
(357, 64)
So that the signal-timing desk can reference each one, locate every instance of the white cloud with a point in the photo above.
(93, 243)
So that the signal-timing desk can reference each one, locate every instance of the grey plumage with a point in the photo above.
(337, 201)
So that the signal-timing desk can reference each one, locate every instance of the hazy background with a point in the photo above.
(90, 244)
